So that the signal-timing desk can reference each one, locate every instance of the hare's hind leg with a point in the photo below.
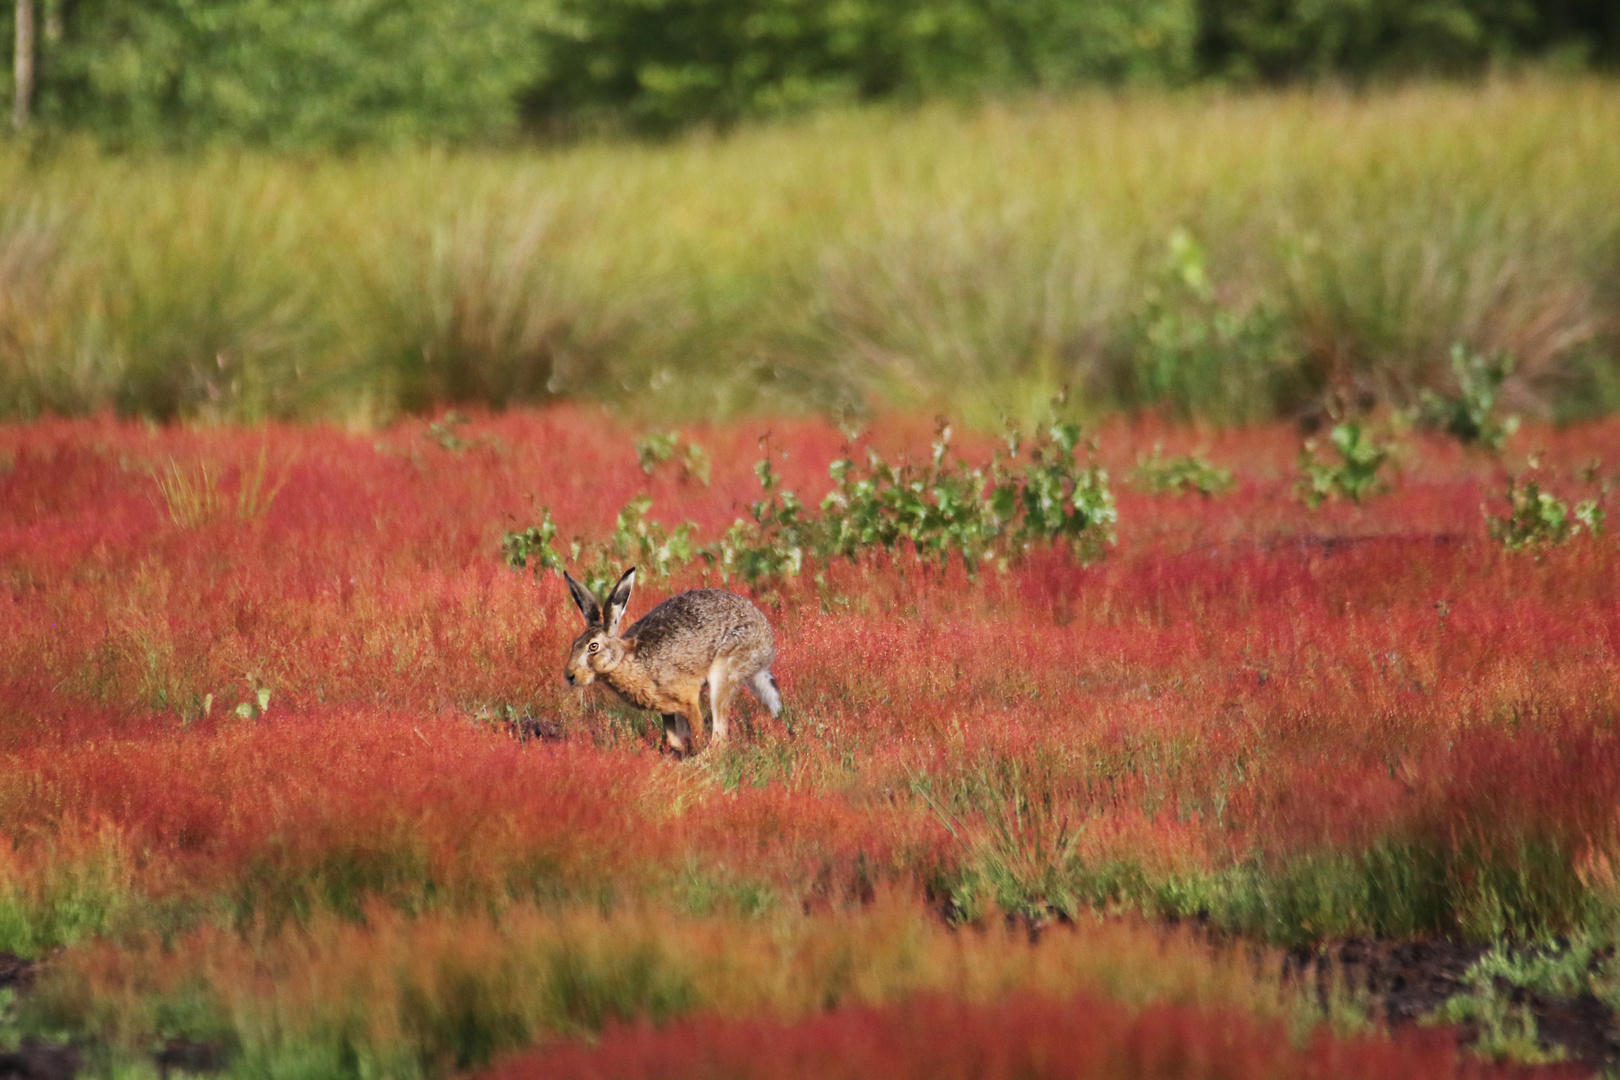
(721, 688)
(691, 717)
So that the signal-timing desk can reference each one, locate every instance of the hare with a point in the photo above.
(663, 661)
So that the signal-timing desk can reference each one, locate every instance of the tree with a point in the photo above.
(23, 67)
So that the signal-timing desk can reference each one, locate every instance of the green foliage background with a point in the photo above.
(662, 63)
(323, 73)
(286, 72)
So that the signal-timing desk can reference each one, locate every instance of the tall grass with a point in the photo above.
(408, 997)
(1225, 256)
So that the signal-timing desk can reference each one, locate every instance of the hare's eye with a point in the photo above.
(595, 645)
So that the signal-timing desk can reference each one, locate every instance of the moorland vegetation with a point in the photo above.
(1276, 627)
(1224, 256)
(289, 766)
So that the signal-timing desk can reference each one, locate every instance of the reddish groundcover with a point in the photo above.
(1025, 1038)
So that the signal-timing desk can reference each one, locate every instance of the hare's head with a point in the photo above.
(599, 649)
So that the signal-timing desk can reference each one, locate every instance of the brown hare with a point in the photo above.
(663, 661)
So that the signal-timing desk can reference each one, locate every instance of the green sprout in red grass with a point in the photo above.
(1471, 415)
(1537, 518)
(1355, 476)
(1159, 475)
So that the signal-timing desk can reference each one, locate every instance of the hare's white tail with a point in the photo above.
(763, 684)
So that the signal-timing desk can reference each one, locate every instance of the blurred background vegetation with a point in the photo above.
(319, 73)
(1224, 209)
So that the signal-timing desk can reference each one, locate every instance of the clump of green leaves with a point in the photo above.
(636, 538)
(772, 541)
(1498, 983)
(1050, 497)
(443, 432)
(1471, 417)
(1035, 492)
(1159, 475)
(1354, 476)
(659, 448)
(534, 544)
(1507, 1029)
(1190, 352)
(1537, 518)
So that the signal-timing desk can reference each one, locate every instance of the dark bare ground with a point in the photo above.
(59, 1061)
(39, 1061)
(194, 1056)
(15, 972)
(32, 1060)
(1408, 980)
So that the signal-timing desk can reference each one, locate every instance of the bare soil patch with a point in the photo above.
(1409, 980)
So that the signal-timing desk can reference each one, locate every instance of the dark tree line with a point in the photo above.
(315, 72)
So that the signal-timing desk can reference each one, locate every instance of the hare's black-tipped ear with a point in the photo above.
(588, 606)
(619, 599)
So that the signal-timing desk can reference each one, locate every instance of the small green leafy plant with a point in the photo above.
(1537, 518)
(637, 539)
(1499, 984)
(658, 448)
(1192, 352)
(1032, 493)
(1472, 417)
(443, 432)
(772, 541)
(1035, 492)
(1355, 476)
(1159, 475)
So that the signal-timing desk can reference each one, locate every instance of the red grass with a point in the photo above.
(1028, 1038)
(271, 814)
(1239, 678)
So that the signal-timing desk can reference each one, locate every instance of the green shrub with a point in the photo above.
(1191, 351)
(1277, 39)
(1536, 517)
(1471, 416)
(289, 72)
(1159, 475)
(661, 64)
(658, 448)
(653, 549)
(1037, 493)
(1355, 476)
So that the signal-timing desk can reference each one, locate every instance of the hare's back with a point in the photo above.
(700, 625)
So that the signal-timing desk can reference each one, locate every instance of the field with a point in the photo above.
(1209, 254)
(291, 781)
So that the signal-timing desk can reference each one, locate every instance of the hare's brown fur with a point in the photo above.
(705, 636)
